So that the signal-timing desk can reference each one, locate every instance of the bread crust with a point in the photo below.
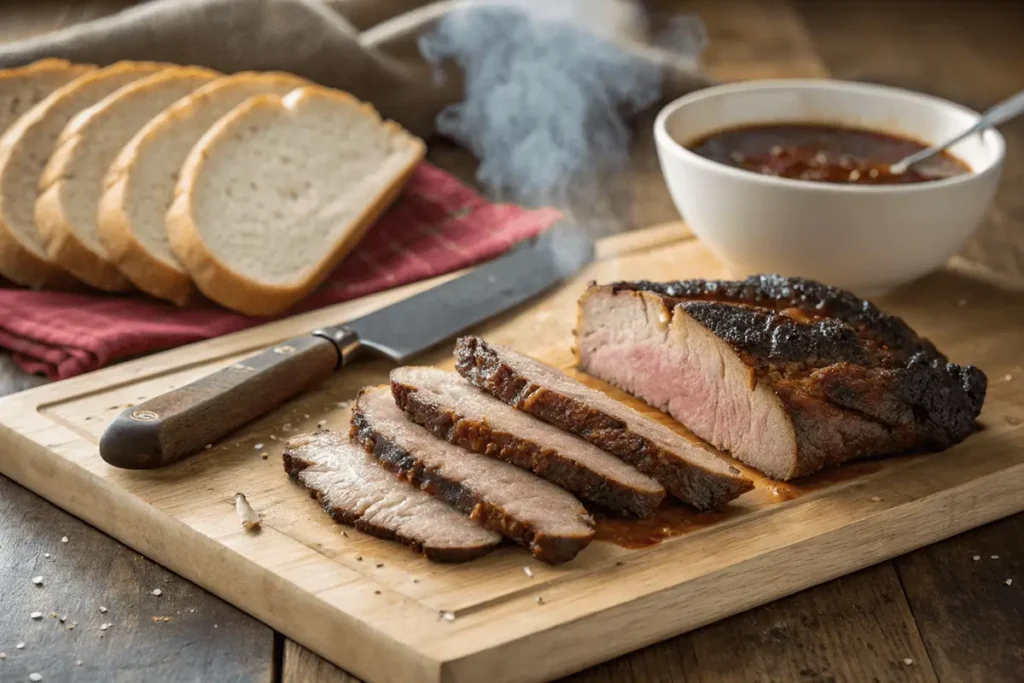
(19, 263)
(148, 271)
(63, 244)
(236, 290)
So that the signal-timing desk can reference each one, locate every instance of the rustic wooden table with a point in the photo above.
(942, 613)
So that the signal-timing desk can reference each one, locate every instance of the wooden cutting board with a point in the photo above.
(375, 608)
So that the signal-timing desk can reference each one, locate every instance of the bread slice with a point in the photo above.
(140, 183)
(21, 89)
(278, 191)
(72, 182)
(25, 148)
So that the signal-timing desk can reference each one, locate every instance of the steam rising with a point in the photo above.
(549, 93)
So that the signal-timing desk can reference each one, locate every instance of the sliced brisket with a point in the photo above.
(515, 503)
(461, 414)
(690, 470)
(354, 489)
(789, 375)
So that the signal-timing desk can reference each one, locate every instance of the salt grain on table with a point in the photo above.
(448, 616)
(37, 580)
(3, 655)
(36, 615)
(35, 677)
(63, 539)
(1009, 582)
(46, 555)
(104, 627)
(103, 610)
(908, 661)
(976, 558)
(528, 572)
(995, 557)
(20, 646)
(157, 592)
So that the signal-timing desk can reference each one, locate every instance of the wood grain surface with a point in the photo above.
(90, 580)
(969, 51)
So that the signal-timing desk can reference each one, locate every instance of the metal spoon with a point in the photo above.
(1004, 111)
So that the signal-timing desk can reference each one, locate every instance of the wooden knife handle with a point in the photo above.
(172, 426)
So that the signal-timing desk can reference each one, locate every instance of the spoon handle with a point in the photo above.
(1004, 111)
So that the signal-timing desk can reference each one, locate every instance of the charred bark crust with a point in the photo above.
(807, 338)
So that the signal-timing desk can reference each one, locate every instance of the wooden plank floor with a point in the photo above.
(937, 614)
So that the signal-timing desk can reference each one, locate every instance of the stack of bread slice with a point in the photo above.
(174, 181)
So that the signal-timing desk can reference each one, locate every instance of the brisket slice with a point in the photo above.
(501, 497)
(354, 489)
(461, 414)
(787, 374)
(688, 469)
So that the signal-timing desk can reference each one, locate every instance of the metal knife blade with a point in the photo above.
(179, 423)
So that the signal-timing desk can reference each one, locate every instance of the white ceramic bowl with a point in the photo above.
(865, 238)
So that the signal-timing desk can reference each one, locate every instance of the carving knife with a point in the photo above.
(179, 423)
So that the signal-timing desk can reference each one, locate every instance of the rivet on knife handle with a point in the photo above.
(181, 422)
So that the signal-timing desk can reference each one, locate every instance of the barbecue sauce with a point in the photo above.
(824, 153)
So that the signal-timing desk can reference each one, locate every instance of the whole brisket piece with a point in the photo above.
(517, 504)
(689, 469)
(459, 413)
(354, 489)
(787, 374)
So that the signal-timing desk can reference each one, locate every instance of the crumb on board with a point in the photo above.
(161, 619)
(540, 600)
(875, 499)
(359, 558)
(528, 572)
(379, 565)
(908, 661)
(246, 515)
(208, 446)
(376, 592)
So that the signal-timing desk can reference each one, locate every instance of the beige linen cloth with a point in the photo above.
(367, 47)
